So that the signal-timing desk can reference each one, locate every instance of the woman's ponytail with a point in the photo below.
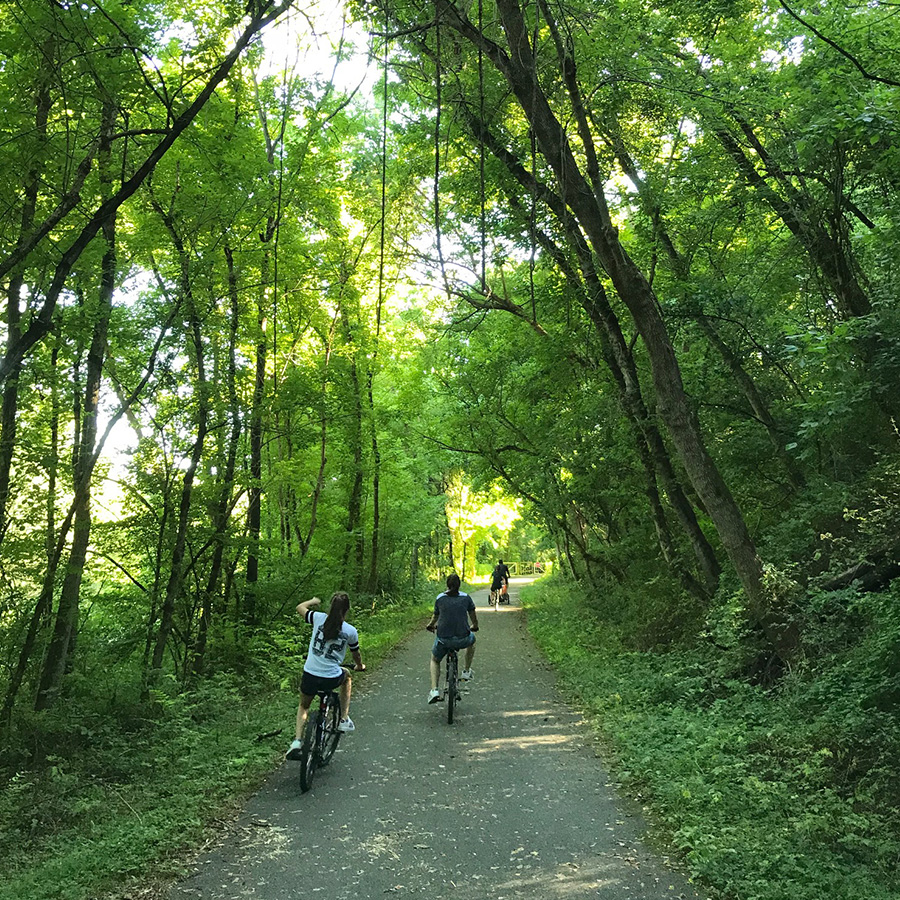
(340, 606)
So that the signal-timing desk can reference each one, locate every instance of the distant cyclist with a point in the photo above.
(331, 638)
(499, 577)
(450, 621)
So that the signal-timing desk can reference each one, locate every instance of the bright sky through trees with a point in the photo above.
(319, 43)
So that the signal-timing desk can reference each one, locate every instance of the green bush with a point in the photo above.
(786, 793)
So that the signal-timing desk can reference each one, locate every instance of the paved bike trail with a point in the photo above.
(508, 803)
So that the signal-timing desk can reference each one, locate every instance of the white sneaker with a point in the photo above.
(346, 726)
(434, 696)
(467, 674)
(294, 750)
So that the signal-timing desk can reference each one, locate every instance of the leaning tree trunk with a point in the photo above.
(648, 436)
(57, 656)
(619, 359)
(588, 204)
(681, 268)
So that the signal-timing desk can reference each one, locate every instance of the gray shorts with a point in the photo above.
(442, 645)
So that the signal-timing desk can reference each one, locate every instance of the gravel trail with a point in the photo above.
(508, 803)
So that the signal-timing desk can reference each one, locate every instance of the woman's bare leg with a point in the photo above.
(302, 712)
(344, 694)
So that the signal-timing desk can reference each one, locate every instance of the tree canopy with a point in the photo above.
(610, 283)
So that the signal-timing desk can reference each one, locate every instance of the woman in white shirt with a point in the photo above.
(323, 669)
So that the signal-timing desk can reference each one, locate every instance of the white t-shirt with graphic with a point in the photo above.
(324, 658)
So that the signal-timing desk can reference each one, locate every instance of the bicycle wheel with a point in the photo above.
(452, 686)
(308, 753)
(330, 734)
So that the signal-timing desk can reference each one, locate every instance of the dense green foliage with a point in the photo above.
(611, 282)
(786, 793)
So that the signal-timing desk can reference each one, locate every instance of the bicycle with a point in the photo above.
(451, 683)
(450, 686)
(501, 595)
(321, 734)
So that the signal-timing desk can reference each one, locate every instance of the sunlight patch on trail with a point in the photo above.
(568, 879)
(522, 742)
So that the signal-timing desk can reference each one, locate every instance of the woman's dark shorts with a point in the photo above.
(312, 684)
(442, 645)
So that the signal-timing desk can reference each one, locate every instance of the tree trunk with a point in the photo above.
(155, 593)
(591, 211)
(372, 581)
(354, 503)
(42, 607)
(9, 409)
(57, 657)
(226, 489)
(254, 495)
(176, 570)
(305, 540)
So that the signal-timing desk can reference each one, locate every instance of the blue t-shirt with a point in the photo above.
(324, 658)
(452, 611)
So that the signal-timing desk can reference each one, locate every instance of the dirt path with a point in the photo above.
(508, 802)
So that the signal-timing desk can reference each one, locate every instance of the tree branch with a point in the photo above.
(848, 56)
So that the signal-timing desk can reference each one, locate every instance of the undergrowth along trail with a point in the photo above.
(758, 787)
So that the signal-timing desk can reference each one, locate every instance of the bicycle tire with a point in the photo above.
(308, 754)
(330, 734)
(452, 685)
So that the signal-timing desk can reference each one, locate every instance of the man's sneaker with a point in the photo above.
(346, 726)
(434, 696)
(467, 674)
(293, 750)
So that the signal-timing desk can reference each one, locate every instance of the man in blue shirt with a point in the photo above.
(450, 620)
